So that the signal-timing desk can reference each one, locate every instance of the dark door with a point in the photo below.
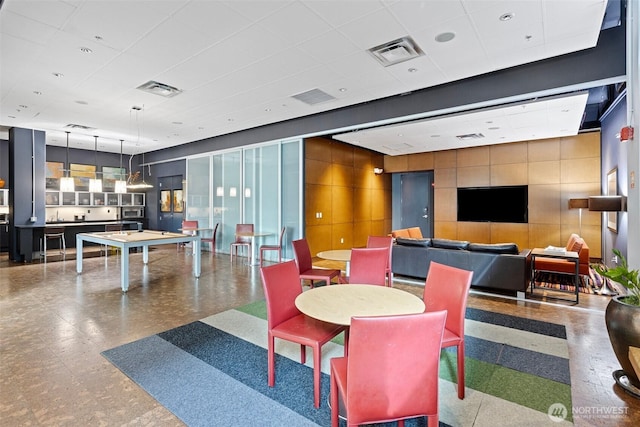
(415, 207)
(170, 197)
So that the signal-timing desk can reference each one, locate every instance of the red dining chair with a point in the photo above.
(188, 227)
(447, 288)
(277, 247)
(212, 239)
(369, 266)
(302, 255)
(383, 242)
(281, 287)
(242, 240)
(391, 372)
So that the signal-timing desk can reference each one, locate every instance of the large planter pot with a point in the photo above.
(623, 325)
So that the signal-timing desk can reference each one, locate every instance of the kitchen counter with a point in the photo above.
(29, 235)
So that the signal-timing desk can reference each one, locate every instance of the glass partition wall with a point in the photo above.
(260, 185)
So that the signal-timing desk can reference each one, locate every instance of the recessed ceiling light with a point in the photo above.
(400, 135)
(97, 37)
(412, 70)
(507, 16)
(564, 111)
(85, 50)
(82, 102)
(229, 120)
(445, 37)
(494, 128)
(267, 109)
(37, 92)
(200, 127)
(343, 89)
(13, 117)
(23, 106)
(528, 37)
(58, 74)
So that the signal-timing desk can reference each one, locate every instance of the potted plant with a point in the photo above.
(622, 318)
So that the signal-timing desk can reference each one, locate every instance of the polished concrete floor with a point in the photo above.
(54, 323)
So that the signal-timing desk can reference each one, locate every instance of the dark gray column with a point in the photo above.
(26, 187)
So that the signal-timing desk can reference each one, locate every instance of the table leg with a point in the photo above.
(124, 269)
(577, 280)
(145, 254)
(253, 255)
(78, 254)
(197, 254)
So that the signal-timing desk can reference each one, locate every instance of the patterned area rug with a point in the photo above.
(213, 372)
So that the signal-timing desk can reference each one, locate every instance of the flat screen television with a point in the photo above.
(493, 204)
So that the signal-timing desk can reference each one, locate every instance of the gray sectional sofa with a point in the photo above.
(499, 266)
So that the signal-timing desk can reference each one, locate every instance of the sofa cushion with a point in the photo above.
(495, 248)
(415, 232)
(449, 244)
(403, 232)
(407, 241)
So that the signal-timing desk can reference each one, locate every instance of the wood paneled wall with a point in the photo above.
(345, 201)
(555, 170)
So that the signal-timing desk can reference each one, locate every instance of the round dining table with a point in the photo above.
(339, 303)
(343, 255)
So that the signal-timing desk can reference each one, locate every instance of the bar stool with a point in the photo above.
(114, 228)
(51, 234)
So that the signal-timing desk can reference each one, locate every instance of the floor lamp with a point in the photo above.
(579, 204)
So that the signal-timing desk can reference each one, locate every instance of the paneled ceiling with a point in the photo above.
(76, 65)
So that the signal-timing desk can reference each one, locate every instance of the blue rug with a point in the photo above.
(207, 376)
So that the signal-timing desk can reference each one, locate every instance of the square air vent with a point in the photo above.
(396, 51)
(158, 88)
(313, 97)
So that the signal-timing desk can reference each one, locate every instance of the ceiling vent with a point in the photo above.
(159, 89)
(396, 51)
(313, 97)
(470, 136)
(75, 126)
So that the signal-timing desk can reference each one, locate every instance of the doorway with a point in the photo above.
(171, 203)
(412, 201)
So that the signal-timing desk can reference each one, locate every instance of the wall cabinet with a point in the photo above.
(85, 198)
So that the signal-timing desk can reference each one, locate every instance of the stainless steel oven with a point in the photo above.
(132, 212)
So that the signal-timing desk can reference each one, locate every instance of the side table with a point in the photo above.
(568, 255)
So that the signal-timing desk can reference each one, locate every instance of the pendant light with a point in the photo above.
(95, 184)
(131, 185)
(121, 185)
(66, 182)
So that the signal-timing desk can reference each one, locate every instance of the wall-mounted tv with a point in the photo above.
(493, 204)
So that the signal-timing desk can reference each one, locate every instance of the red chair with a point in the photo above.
(383, 242)
(242, 240)
(369, 266)
(302, 255)
(277, 247)
(447, 288)
(212, 239)
(189, 227)
(391, 372)
(281, 287)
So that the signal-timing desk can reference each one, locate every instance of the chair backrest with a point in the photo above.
(188, 223)
(369, 266)
(392, 367)
(281, 285)
(212, 239)
(447, 288)
(282, 233)
(381, 242)
(113, 227)
(302, 255)
(243, 228)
